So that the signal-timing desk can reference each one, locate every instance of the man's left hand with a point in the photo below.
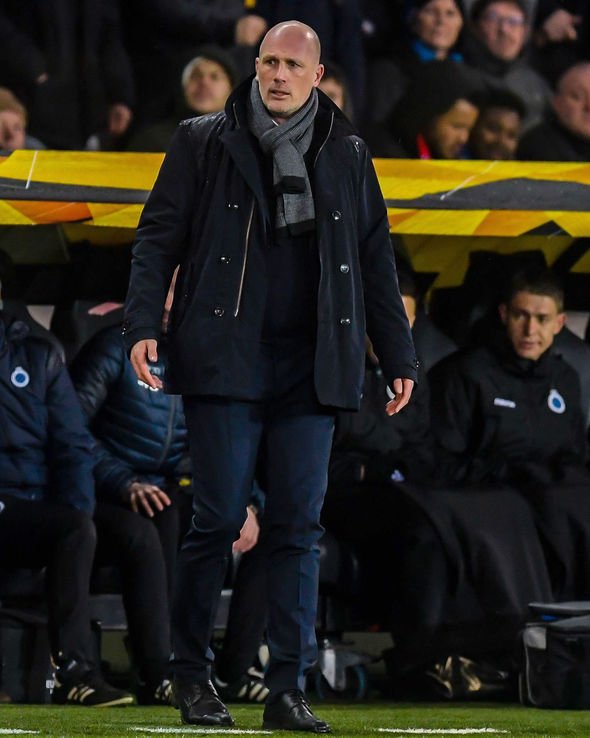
(402, 389)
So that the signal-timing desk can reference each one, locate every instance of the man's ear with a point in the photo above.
(503, 312)
(560, 322)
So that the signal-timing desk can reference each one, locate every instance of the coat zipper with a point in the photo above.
(246, 247)
(315, 161)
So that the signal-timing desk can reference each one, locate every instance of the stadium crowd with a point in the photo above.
(462, 510)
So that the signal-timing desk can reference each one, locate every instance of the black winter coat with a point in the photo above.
(141, 432)
(45, 449)
(208, 212)
(501, 419)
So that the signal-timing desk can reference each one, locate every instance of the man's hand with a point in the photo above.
(249, 533)
(141, 352)
(147, 498)
(560, 26)
(402, 389)
(249, 30)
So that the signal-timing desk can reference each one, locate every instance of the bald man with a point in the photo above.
(564, 135)
(273, 210)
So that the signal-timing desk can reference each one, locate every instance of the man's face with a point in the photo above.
(438, 24)
(208, 87)
(503, 29)
(287, 70)
(12, 130)
(450, 131)
(495, 134)
(572, 101)
(532, 322)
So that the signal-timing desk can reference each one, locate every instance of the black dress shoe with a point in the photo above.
(199, 704)
(290, 711)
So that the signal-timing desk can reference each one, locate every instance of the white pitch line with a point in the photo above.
(17, 731)
(182, 730)
(442, 731)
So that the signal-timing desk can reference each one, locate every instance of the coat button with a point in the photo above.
(344, 321)
(344, 268)
(219, 312)
(225, 259)
(336, 215)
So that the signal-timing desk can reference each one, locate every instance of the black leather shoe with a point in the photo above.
(290, 711)
(199, 704)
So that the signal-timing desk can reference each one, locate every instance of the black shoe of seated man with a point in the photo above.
(290, 711)
(199, 704)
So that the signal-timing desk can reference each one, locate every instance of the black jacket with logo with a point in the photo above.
(498, 418)
(45, 449)
(208, 212)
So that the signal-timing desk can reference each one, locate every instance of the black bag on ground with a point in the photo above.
(557, 658)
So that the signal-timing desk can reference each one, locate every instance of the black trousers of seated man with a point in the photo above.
(226, 437)
(37, 534)
(143, 550)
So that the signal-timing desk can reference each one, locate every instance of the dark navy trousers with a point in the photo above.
(227, 436)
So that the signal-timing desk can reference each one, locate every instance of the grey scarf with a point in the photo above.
(287, 143)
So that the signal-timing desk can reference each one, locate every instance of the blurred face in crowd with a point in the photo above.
(438, 24)
(532, 322)
(334, 90)
(571, 102)
(495, 134)
(450, 131)
(288, 68)
(207, 87)
(503, 29)
(12, 130)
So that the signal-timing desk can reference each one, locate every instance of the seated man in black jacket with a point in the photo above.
(46, 503)
(508, 416)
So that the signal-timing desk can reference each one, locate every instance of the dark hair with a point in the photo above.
(411, 7)
(538, 281)
(480, 6)
(499, 97)
(435, 88)
(333, 71)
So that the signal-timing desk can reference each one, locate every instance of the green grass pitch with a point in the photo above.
(384, 719)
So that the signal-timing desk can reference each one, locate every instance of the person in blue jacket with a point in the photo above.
(140, 453)
(47, 501)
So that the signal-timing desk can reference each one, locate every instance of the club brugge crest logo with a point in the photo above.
(556, 402)
(20, 377)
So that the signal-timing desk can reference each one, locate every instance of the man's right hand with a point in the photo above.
(141, 353)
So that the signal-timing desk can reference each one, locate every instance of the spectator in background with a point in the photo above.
(47, 501)
(564, 134)
(562, 36)
(432, 31)
(66, 62)
(498, 127)
(163, 36)
(434, 117)
(13, 124)
(206, 83)
(334, 85)
(497, 48)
